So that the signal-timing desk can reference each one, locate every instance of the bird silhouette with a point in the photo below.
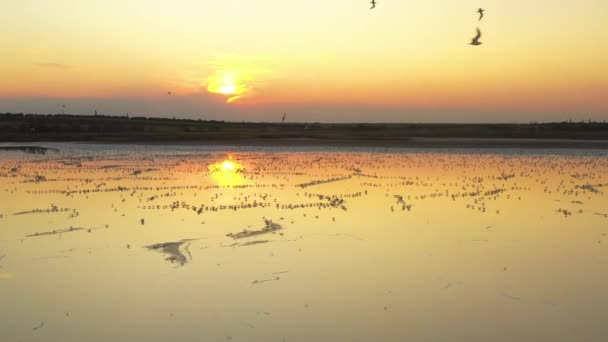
(284, 115)
(373, 2)
(475, 41)
(480, 11)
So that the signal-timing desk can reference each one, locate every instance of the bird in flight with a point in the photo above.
(373, 2)
(480, 11)
(169, 93)
(475, 41)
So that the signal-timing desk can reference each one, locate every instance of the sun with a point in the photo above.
(227, 89)
(230, 83)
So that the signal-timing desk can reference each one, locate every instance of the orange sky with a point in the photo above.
(317, 60)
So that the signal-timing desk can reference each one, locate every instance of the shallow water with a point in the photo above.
(140, 243)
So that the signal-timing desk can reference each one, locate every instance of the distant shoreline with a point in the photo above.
(462, 143)
(18, 128)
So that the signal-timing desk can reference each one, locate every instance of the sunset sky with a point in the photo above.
(332, 61)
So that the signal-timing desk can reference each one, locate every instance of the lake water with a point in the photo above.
(150, 243)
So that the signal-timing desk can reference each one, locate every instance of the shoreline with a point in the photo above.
(507, 143)
(163, 131)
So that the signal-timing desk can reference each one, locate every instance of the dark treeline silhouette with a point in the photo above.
(106, 128)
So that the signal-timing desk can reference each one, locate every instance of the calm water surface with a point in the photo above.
(136, 243)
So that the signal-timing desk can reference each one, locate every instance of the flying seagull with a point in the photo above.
(475, 41)
(480, 11)
(373, 2)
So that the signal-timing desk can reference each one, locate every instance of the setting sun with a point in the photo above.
(228, 89)
(229, 83)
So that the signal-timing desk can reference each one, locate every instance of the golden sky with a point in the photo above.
(317, 60)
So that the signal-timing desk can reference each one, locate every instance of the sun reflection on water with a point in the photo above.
(227, 173)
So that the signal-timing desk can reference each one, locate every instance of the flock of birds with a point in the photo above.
(475, 41)
(275, 183)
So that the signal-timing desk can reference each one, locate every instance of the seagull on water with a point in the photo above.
(475, 41)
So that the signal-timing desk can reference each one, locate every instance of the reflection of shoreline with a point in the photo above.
(29, 149)
(408, 143)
